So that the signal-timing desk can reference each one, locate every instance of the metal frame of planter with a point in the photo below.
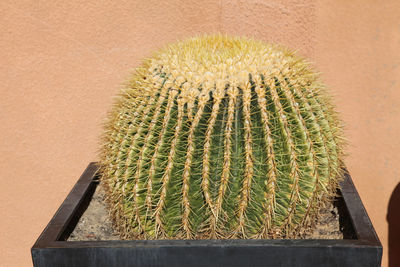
(51, 249)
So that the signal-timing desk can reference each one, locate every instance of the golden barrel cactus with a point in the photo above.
(221, 137)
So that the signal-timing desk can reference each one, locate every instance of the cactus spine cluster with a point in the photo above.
(221, 137)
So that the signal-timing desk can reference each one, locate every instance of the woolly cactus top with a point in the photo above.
(221, 137)
(212, 62)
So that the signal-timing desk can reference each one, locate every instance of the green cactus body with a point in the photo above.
(221, 137)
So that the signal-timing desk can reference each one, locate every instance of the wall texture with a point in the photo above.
(63, 61)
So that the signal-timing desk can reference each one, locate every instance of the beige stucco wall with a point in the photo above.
(62, 61)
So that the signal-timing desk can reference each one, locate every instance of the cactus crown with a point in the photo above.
(221, 137)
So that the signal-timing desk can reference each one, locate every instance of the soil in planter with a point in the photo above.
(95, 223)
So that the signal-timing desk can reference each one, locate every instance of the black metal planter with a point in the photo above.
(362, 248)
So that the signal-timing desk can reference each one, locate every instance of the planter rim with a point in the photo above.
(53, 236)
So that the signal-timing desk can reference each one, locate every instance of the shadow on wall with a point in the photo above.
(393, 218)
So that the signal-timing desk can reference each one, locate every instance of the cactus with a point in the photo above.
(221, 137)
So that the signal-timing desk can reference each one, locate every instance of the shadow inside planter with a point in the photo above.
(80, 211)
(344, 219)
(393, 219)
